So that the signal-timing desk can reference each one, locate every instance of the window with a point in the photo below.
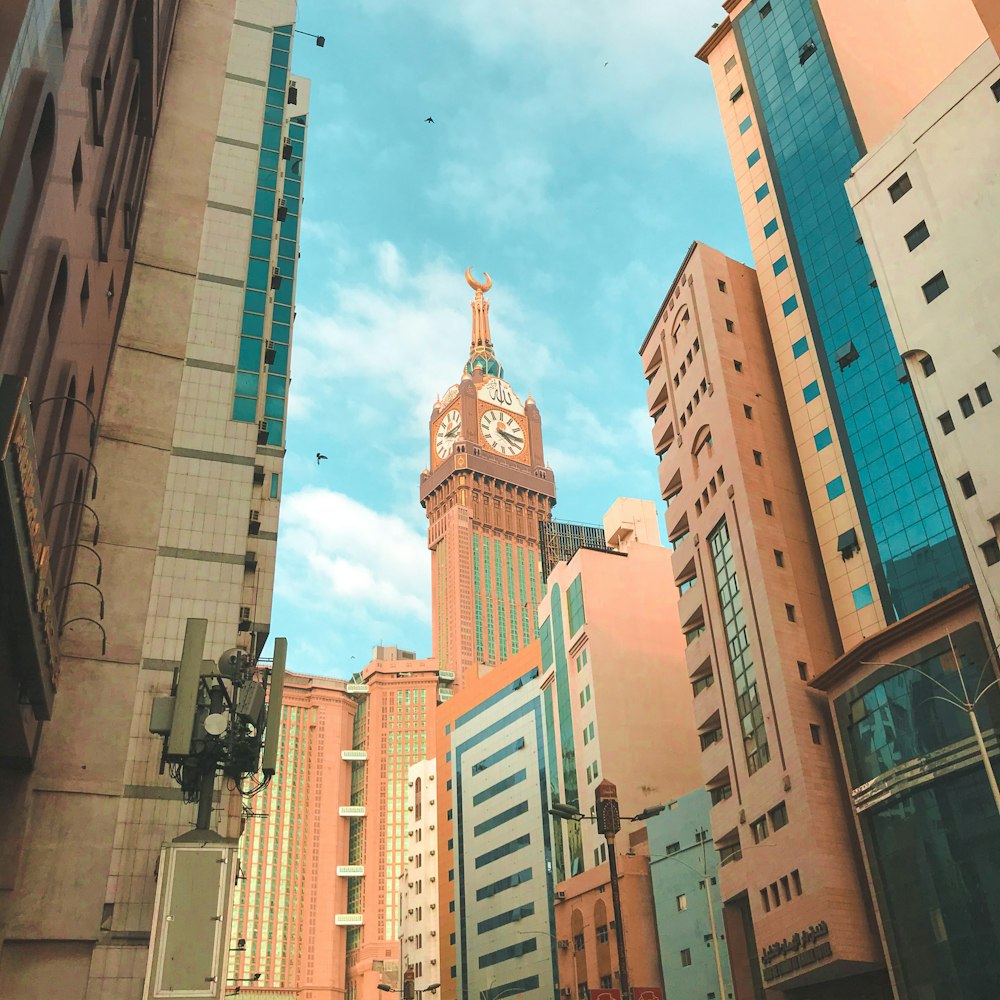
(790, 305)
(917, 235)
(602, 933)
(748, 412)
(780, 265)
(77, 173)
(85, 294)
(983, 394)
(968, 486)
(745, 125)
(779, 557)
(753, 158)
(991, 552)
(765, 10)
(720, 794)
(811, 391)
(797, 882)
(730, 64)
(730, 326)
(578, 942)
(769, 508)
(671, 848)
(803, 670)
(935, 287)
(759, 829)
(947, 422)
(722, 285)
(899, 187)
(765, 901)
(800, 347)
(758, 458)
(762, 192)
(816, 733)
(737, 93)
(927, 366)
(581, 991)
(965, 405)
(862, 596)
(790, 612)
(574, 605)
(995, 87)
(808, 49)
(685, 957)
(835, 488)
(824, 439)
(779, 817)
(606, 982)
(274, 486)
(682, 902)
(738, 365)
(770, 228)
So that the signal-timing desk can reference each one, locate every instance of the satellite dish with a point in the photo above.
(216, 724)
(232, 662)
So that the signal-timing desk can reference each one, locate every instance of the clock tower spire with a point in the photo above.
(485, 493)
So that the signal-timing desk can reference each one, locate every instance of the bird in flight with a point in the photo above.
(320, 457)
(429, 121)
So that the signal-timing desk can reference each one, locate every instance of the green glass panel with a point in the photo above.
(280, 364)
(273, 115)
(279, 333)
(247, 384)
(282, 314)
(277, 77)
(275, 97)
(280, 42)
(290, 228)
(287, 248)
(263, 225)
(274, 432)
(284, 293)
(267, 178)
(271, 137)
(249, 356)
(292, 186)
(253, 325)
(263, 203)
(260, 246)
(245, 409)
(269, 158)
(254, 301)
(274, 407)
(276, 385)
(258, 273)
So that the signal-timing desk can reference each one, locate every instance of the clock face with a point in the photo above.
(502, 432)
(447, 433)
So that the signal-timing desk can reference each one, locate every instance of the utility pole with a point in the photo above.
(703, 836)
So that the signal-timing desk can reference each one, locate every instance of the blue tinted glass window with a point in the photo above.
(290, 227)
(274, 485)
(499, 819)
(267, 178)
(254, 301)
(862, 596)
(269, 158)
(260, 246)
(780, 265)
(762, 192)
(275, 385)
(276, 97)
(253, 325)
(245, 409)
(247, 384)
(287, 248)
(745, 125)
(279, 333)
(274, 407)
(271, 138)
(282, 314)
(258, 273)
(835, 488)
(280, 364)
(263, 203)
(274, 428)
(263, 226)
(279, 42)
(249, 358)
(811, 392)
(771, 228)
(800, 347)
(790, 305)
(273, 115)
(284, 293)
(517, 844)
(753, 157)
(277, 77)
(824, 439)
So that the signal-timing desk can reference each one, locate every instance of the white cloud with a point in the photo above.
(399, 340)
(356, 564)
(506, 189)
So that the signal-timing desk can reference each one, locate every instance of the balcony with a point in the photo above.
(350, 871)
(657, 392)
(349, 919)
(652, 361)
(354, 755)
(670, 482)
(663, 431)
(690, 606)
(352, 811)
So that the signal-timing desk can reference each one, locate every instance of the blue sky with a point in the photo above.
(577, 185)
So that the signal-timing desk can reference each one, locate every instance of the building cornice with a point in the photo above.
(720, 32)
(842, 668)
(670, 291)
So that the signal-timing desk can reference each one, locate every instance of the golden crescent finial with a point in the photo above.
(477, 286)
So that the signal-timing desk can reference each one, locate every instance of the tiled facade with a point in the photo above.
(294, 851)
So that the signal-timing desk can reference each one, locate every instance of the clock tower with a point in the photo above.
(485, 493)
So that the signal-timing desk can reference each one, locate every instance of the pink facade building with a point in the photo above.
(294, 849)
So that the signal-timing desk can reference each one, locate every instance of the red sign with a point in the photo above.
(647, 993)
(605, 994)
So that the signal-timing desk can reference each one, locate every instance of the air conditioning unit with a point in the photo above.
(560, 894)
(409, 809)
(286, 149)
(409, 885)
(410, 910)
(258, 475)
(432, 852)
(270, 351)
(434, 961)
(565, 992)
(275, 279)
(409, 857)
(433, 933)
(563, 943)
(282, 210)
(430, 826)
(253, 526)
(249, 561)
(430, 777)
(431, 802)
(262, 432)
(433, 878)
(409, 784)
(433, 906)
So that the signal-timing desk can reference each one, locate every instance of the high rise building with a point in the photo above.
(485, 493)
(497, 926)
(925, 199)
(184, 523)
(419, 914)
(294, 851)
(613, 674)
(394, 727)
(758, 623)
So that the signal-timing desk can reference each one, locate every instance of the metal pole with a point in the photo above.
(711, 916)
(991, 777)
(617, 904)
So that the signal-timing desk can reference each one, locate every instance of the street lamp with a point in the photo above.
(965, 704)
(320, 39)
(608, 821)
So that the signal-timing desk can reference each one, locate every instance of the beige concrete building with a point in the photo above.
(190, 456)
(932, 252)
(419, 912)
(758, 623)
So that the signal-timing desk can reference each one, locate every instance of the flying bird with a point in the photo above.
(605, 64)
(429, 121)
(320, 458)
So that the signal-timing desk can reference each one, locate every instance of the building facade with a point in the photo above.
(929, 248)
(758, 623)
(184, 523)
(617, 699)
(294, 852)
(683, 868)
(393, 730)
(497, 926)
(485, 493)
(419, 912)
